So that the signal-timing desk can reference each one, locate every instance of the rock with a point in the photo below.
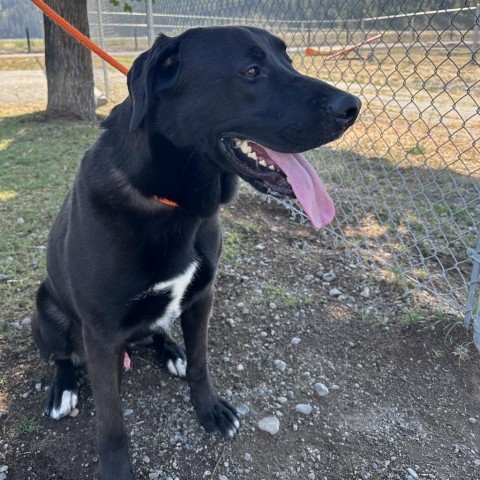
(282, 400)
(334, 387)
(280, 365)
(270, 425)
(3, 277)
(304, 408)
(329, 277)
(3, 476)
(321, 389)
(153, 476)
(16, 325)
(335, 292)
(222, 477)
(38, 386)
(20, 221)
(74, 413)
(472, 420)
(26, 321)
(295, 341)
(146, 459)
(247, 457)
(365, 292)
(311, 476)
(412, 473)
(243, 410)
(272, 306)
(309, 278)
(240, 367)
(3, 468)
(127, 412)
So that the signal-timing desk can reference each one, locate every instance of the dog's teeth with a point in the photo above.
(288, 180)
(245, 147)
(252, 155)
(271, 167)
(263, 163)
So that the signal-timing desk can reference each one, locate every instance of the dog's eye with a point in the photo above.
(251, 72)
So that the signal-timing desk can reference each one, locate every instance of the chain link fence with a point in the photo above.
(406, 177)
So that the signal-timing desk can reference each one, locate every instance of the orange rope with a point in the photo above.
(75, 33)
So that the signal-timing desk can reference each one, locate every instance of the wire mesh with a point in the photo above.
(406, 177)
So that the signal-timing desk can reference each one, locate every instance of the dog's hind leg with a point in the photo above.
(52, 332)
(63, 392)
(214, 413)
(171, 354)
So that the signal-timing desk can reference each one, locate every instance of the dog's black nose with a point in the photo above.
(345, 108)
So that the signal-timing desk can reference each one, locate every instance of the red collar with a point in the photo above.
(165, 201)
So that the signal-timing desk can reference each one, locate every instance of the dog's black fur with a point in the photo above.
(112, 240)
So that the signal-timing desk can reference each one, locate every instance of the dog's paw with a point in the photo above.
(60, 401)
(173, 357)
(219, 417)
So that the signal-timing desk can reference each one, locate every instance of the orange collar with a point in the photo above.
(165, 201)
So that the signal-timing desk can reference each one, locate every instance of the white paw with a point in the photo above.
(68, 403)
(179, 368)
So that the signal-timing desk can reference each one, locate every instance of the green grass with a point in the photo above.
(26, 425)
(413, 318)
(38, 161)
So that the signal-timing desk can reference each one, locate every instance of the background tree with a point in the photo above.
(68, 64)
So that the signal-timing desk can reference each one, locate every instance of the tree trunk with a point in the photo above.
(69, 64)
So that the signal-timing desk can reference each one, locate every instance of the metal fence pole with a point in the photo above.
(476, 34)
(150, 22)
(469, 312)
(102, 44)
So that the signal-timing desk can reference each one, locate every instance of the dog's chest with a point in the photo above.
(175, 290)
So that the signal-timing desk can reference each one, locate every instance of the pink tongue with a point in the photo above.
(307, 186)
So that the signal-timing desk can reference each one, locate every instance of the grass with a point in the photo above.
(26, 425)
(413, 317)
(461, 352)
(37, 164)
(283, 297)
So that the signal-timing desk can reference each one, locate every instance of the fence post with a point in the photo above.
(28, 40)
(469, 312)
(150, 23)
(476, 29)
(102, 44)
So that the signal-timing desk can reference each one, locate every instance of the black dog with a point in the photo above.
(137, 241)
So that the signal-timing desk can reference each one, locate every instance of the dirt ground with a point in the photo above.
(400, 405)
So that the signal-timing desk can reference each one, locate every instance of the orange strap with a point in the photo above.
(75, 33)
(166, 201)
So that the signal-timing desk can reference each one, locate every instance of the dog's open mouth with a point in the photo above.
(281, 174)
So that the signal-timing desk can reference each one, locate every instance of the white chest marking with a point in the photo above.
(177, 287)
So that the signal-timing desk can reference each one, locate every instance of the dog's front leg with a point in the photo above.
(103, 365)
(214, 413)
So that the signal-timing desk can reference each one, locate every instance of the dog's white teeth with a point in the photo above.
(271, 167)
(245, 147)
(263, 163)
(288, 180)
(252, 155)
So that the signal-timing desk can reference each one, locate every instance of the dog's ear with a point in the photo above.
(153, 71)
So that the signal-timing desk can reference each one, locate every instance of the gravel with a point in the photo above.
(270, 425)
(304, 408)
(321, 389)
(280, 365)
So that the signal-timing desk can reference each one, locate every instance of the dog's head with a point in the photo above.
(231, 95)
